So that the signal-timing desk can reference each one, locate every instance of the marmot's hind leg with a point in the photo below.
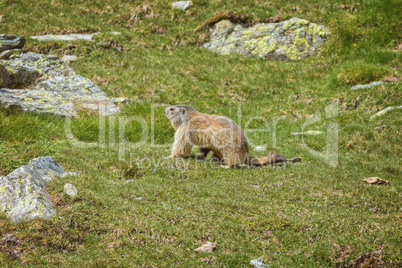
(204, 153)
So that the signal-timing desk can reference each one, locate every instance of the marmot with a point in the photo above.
(215, 133)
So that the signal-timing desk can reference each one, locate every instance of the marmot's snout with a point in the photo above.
(168, 110)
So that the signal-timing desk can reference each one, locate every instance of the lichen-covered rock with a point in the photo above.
(45, 84)
(292, 40)
(47, 168)
(9, 41)
(23, 194)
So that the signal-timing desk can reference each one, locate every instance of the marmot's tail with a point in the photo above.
(272, 159)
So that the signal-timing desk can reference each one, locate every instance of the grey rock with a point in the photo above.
(45, 84)
(382, 112)
(70, 190)
(6, 55)
(63, 37)
(292, 40)
(257, 263)
(183, 5)
(380, 127)
(69, 58)
(23, 194)
(46, 167)
(372, 84)
(8, 41)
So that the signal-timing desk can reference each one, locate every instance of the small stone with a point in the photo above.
(70, 190)
(208, 247)
(372, 84)
(183, 5)
(64, 37)
(308, 133)
(116, 33)
(9, 41)
(375, 180)
(382, 112)
(260, 148)
(380, 127)
(69, 58)
(257, 263)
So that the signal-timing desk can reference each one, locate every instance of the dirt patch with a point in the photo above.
(371, 260)
(11, 245)
(343, 253)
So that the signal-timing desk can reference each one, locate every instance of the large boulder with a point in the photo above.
(292, 40)
(23, 194)
(9, 41)
(45, 84)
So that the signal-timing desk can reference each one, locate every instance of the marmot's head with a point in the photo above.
(178, 114)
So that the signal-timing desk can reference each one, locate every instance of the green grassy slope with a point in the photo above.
(306, 214)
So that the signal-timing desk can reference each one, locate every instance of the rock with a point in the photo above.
(23, 194)
(382, 112)
(45, 84)
(260, 148)
(6, 55)
(207, 247)
(47, 168)
(372, 84)
(183, 5)
(375, 180)
(69, 58)
(380, 127)
(70, 190)
(63, 37)
(257, 263)
(308, 133)
(288, 40)
(8, 41)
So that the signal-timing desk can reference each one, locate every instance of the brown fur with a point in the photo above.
(215, 133)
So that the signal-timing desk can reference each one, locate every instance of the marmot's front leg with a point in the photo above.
(181, 147)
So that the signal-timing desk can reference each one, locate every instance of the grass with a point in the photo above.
(307, 214)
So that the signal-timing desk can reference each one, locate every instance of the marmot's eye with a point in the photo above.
(172, 109)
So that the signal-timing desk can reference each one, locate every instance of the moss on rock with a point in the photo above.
(290, 40)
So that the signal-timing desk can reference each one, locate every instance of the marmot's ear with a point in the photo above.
(182, 110)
